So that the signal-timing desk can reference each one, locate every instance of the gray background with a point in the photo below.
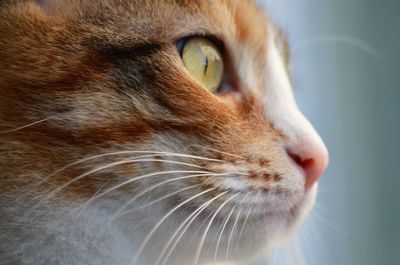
(347, 75)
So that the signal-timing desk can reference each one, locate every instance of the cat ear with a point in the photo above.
(51, 7)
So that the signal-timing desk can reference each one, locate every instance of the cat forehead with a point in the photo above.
(164, 19)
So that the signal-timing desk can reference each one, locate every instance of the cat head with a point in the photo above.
(158, 112)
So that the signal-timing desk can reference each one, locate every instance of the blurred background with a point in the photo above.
(346, 67)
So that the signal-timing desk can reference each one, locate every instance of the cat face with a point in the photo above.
(100, 105)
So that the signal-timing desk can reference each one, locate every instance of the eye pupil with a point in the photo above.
(204, 62)
(206, 66)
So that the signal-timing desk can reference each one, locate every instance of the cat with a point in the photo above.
(148, 133)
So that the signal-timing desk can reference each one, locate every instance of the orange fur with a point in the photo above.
(51, 63)
(96, 106)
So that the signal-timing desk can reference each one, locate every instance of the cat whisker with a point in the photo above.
(203, 238)
(243, 227)
(169, 213)
(298, 250)
(326, 222)
(195, 157)
(148, 154)
(160, 184)
(161, 198)
(149, 175)
(313, 239)
(27, 125)
(88, 159)
(128, 161)
(234, 226)
(54, 192)
(82, 208)
(124, 162)
(190, 219)
(199, 226)
(200, 173)
(217, 151)
(83, 160)
(222, 232)
(127, 152)
(340, 38)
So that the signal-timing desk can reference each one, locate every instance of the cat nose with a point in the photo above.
(312, 157)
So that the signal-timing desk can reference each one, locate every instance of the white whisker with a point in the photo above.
(28, 125)
(81, 209)
(243, 226)
(234, 226)
(146, 240)
(200, 247)
(148, 154)
(222, 232)
(161, 198)
(146, 176)
(160, 184)
(217, 151)
(189, 219)
(119, 163)
(84, 160)
(340, 38)
(300, 258)
(53, 193)
(328, 223)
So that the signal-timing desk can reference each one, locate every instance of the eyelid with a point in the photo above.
(216, 41)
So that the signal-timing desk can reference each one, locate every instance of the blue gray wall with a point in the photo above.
(346, 56)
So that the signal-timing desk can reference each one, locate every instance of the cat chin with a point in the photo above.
(295, 217)
(259, 237)
(263, 240)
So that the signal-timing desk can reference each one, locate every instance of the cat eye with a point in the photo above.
(204, 61)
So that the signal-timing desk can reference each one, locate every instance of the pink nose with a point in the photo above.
(312, 157)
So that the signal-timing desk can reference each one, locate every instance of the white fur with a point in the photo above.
(280, 104)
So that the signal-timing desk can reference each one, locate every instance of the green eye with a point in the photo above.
(204, 61)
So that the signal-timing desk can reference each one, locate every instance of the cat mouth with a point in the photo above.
(288, 211)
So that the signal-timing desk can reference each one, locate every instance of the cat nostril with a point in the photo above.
(313, 161)
(305, 164)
